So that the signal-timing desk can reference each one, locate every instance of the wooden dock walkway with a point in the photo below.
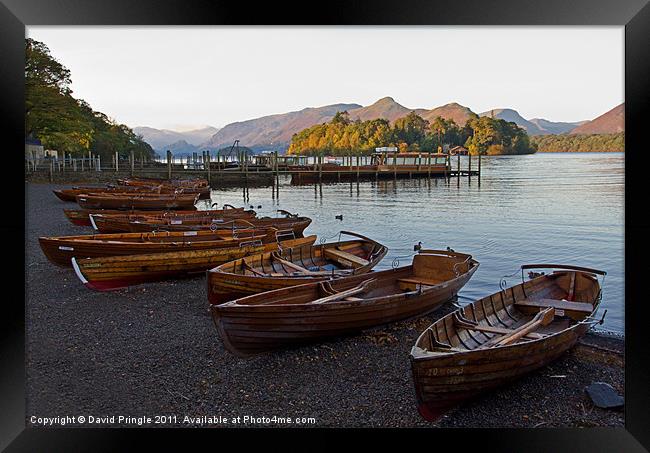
(258, 169)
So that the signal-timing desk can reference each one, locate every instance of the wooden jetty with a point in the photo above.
(241, 169)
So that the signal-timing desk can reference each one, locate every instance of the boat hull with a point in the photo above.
(107, 274)
(446, 383)
(248, 330)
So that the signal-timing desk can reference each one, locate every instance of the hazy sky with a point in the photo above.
(183, 77)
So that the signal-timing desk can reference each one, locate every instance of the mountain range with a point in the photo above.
(165, 138)
(274, 132)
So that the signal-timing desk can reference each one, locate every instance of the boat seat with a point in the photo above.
(575, 310)
(344, 257)
(412, 283)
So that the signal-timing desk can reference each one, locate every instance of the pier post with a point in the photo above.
(458, 164)
(419, 161)
(395, 166)
(469, 164)
(169, 165)
(358, 157)
(429, 165)
(479, 168)
(208, 166)
(320, 167)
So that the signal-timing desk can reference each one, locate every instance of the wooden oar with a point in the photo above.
(543, 318)
(363, 287)
(471, 325)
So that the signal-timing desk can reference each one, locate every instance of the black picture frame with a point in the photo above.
(633, 14)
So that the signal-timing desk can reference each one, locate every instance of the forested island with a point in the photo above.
(484, 135)
(64, 123)
(576, 143)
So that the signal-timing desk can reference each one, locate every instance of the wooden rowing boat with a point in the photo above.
(109, 273)
(293, 266)
(81, 217)
(315, 311)
(143, 222)
(210, 222)
(501, 337)
(71, 194)
(141, 181)
(59, 250)
(140, 201)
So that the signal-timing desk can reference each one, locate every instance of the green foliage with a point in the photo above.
(497, 136)
(64, 123)
(410, 133)
(580, 143)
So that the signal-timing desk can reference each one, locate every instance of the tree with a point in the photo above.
(64, 123)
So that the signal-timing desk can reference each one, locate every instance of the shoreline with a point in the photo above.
(153, 350)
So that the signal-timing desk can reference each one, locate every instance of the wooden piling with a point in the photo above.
(169, 165)
(208, 167)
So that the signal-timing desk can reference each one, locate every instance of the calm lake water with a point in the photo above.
(545, 208)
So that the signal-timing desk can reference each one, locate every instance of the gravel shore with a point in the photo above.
(153, 350)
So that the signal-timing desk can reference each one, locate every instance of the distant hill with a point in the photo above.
(547, 127)
(459, 113)
(536, 126)
(274, 132)
(385, 108)
(179, 148)
(610, 122)
(162, 138)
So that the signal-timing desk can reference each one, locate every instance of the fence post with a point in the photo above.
(82, 162)
(117, 162)
(51, 169)
(99, 163)
(169, 165)
(132, 163)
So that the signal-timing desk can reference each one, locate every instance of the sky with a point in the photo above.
(186, 77)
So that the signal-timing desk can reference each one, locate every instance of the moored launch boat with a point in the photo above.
(501, 337)
(60, 250)
(315, 311)
(142, 201)
(293, 266)
(109, 273)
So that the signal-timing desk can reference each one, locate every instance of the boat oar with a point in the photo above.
(543, 318)
(362, 288)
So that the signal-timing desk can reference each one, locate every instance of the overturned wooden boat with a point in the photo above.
(501, 337)
(293, 266)
(109, 273)
(60, 250)
(81, 217)
(142, 201)
(196, 220)
(316, 311)
(210, 222)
